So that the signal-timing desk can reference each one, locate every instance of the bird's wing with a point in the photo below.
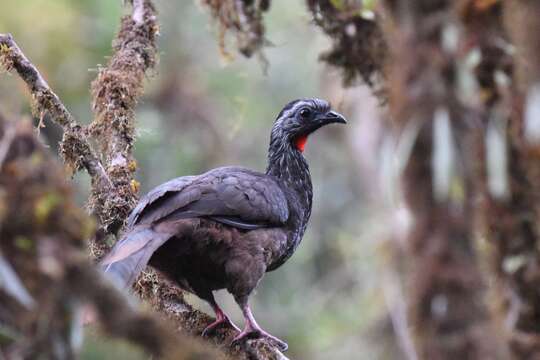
(235, 196)
(156, 195)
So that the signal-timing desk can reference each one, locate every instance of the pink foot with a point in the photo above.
(251, 333)
(220, 320)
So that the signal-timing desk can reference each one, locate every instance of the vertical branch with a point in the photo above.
(115, 93)
(446, 290)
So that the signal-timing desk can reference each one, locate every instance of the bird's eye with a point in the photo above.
(305, 113)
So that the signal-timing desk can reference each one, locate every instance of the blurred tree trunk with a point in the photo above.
(447, 309)
(513, 220)
(463, 82)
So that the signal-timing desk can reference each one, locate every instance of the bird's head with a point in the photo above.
(299, 119)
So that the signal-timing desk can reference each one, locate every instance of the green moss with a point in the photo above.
(45, 205)
(7, 335)
(24, 243)
(96, 346)
(338, 4)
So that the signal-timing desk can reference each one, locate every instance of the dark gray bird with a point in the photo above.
(225, 228)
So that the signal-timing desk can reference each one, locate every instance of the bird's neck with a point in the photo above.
(287, 164)
(290, 168)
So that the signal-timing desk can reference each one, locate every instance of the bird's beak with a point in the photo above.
(332, 117)
(321, 120)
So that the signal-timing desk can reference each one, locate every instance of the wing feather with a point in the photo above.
(234, 196)
(171, 186)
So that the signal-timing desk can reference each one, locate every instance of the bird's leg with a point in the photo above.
(221, 317)
(252, 330)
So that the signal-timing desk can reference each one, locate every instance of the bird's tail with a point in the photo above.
(131, 253)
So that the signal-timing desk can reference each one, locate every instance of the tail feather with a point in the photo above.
(131, 254)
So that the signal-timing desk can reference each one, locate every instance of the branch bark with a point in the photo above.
(115, 94)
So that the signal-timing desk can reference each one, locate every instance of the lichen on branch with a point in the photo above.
(244, 19)
(358, 46)
(115, 94)
(76, 150)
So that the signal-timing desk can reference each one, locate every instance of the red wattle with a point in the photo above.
(300, 142)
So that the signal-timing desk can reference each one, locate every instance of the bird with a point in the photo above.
(224, 229)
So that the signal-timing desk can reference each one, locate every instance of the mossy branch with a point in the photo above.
(76, 149)
(115, 92)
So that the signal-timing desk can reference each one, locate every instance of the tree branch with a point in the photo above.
(115, 93)
(76, 150)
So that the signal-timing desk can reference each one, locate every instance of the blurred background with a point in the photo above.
(202, 110)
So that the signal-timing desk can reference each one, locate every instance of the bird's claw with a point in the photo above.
(259, 334)
(219, 322)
